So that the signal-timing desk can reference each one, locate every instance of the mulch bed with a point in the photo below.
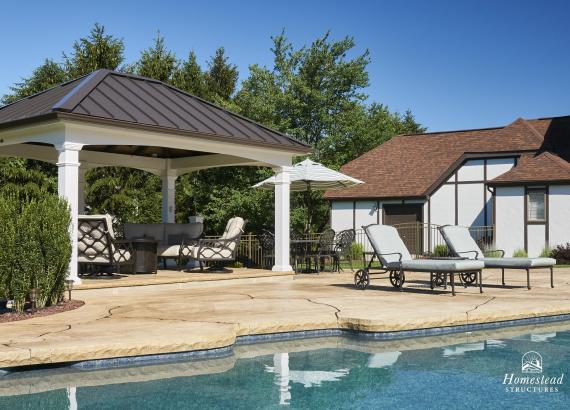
(8, 315)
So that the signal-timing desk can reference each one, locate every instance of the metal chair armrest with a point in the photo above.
(475, 252)
(393, 253)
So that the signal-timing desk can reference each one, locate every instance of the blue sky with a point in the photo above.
(455, 64)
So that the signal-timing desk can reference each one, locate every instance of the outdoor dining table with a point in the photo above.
(303, 248)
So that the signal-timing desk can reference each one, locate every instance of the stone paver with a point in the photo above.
(176, 317)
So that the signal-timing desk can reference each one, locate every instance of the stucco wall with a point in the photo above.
(498, 166)
(341, 215)
(559, 214)
(472, 170)
(470, 204)
(365, 213)
(536, 239)
(443, 206)
(510, 219)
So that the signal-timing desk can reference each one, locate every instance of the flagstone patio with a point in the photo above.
(177, 317)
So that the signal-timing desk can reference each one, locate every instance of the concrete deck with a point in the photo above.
(163, 277)
(177, 317)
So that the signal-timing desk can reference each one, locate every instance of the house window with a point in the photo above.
(536, 205)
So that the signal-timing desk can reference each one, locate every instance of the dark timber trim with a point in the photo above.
(485, 221)
(354, 215)
(473, 156)
(429, 222)
(546, 223)
(456, 201)
(378, 212)
(547, 216)
(525, 207)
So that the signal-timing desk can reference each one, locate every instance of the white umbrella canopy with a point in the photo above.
(309, 175)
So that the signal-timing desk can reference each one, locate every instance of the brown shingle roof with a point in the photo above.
(412, 165)
(127, 100)
(544, 167)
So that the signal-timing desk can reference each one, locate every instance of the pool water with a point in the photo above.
(455, 371)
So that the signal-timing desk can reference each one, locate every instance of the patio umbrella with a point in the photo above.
(311, 176)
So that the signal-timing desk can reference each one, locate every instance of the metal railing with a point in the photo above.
(420, 238)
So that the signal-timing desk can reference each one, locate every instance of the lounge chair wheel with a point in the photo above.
(361, 279)
(468, 278)
(397, 278)
(439, 280)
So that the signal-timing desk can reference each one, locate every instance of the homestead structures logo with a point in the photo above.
(531, 363)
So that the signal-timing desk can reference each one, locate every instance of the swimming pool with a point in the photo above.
(470, 370)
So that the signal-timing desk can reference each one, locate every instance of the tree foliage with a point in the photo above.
(36, 248)
(190, 77)
(221, 77)
(97, 50)
(315, 93)
(46, 76)
(157, 61)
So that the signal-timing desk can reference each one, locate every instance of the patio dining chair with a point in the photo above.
(325, 249)
(266, 241)
(343, 249)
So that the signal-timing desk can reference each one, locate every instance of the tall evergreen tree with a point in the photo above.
(190, 77)
(157, 61)
(97, 50)
(222, 76)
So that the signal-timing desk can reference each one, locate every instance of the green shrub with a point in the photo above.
(36, 248)
(546, 252)
(490, 251)
(520, 253)
(441, 250)
(356, 250)
(562, 254)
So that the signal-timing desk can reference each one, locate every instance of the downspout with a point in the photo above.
(493, 215)
(429, 222)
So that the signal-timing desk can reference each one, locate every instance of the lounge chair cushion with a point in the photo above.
(386, 240)
(461, 242)
(439, 265)
(519, 263)
(233, 228)
(168, 251)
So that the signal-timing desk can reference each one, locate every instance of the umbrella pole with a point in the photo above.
(308, 202)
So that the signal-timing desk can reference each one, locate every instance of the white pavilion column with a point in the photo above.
(81, 189)
(282, 205)
(68, 186)
(168, 196)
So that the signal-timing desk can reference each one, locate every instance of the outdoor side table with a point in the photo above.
(145, 254)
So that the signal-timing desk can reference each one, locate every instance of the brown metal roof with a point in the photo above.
(412, 166)
(128, 100)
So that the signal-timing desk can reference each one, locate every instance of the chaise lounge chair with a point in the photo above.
(395, 257)
(461, 243)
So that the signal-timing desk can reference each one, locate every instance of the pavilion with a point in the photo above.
(109, 118)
